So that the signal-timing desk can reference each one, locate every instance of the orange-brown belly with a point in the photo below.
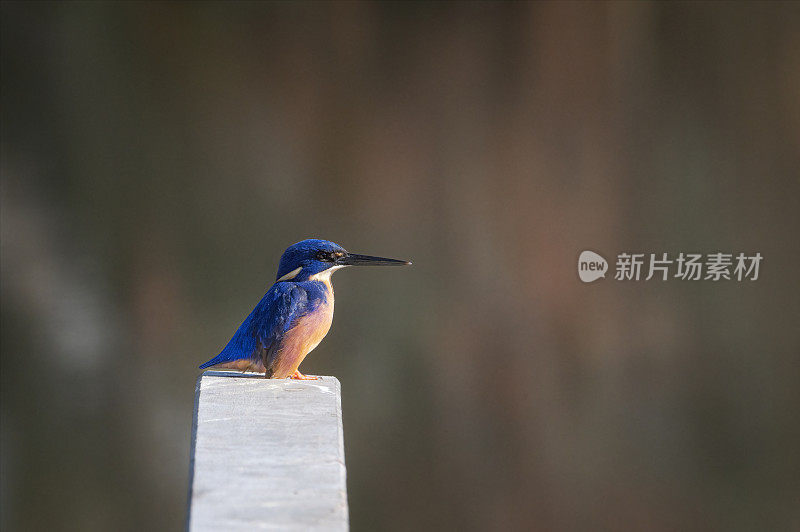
(243, 365)
(301, 339)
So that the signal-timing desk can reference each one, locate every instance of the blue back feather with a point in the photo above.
(276, 313)
(261, 332)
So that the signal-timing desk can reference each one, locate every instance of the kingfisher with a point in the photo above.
(296, 312)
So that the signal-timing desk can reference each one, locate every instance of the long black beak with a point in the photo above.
(352, 259)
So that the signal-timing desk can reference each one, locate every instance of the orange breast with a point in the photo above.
(301, 339)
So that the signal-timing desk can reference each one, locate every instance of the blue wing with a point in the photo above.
(261, 332)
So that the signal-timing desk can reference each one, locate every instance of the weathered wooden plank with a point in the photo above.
(267, 454)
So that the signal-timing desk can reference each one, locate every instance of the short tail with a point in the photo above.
(233, 356)
(213, 362)
(241, 347)
(227, 355)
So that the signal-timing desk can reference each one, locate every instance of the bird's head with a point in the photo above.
(320, 258)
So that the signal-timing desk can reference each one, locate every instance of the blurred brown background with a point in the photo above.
(158, 157)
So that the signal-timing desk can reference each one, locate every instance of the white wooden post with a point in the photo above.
(267, 454)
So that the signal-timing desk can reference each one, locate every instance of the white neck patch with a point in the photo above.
(325, 275)
(291, 275)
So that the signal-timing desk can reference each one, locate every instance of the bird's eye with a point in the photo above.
(325, 256)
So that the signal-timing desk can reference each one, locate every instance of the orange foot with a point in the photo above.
(299, 376)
